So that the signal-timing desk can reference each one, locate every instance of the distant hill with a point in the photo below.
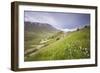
(38, 27)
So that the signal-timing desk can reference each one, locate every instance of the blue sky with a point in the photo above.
(59, 20)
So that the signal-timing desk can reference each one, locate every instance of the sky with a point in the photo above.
(60, 20)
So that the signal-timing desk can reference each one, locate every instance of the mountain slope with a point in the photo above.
(35, 31)
(38, 27)
(76, 45)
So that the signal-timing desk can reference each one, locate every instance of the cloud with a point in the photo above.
(67, 30)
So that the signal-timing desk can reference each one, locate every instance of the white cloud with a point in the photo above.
(67, 30)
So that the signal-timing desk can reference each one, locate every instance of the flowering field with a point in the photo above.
(73, 45)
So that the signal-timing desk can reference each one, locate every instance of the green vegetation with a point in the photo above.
(61, 46)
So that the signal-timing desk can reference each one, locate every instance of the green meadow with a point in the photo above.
(57, 46)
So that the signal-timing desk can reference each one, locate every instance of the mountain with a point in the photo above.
(35, 31)
(38, 27)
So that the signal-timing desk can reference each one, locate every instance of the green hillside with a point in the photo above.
(72, 45)
(35, 31)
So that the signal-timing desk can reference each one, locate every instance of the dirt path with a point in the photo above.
(33, 50)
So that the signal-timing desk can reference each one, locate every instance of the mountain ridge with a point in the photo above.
(39, 27)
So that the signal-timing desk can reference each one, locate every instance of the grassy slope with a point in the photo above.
(74, 46)
(34, 39)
